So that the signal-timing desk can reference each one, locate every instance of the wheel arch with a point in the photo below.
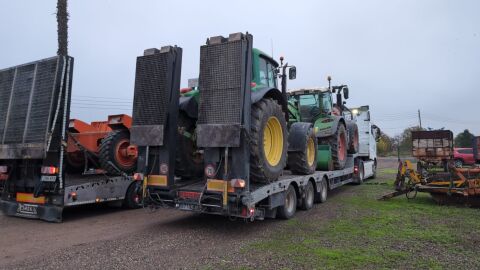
(272, 93)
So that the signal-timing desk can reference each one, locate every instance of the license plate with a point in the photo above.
(27, 209)
(188, 207)
(48, 178)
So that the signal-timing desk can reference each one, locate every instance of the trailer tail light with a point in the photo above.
(138, 176)
(355, 169)
(49, 170)
(248, 212)
(210, 171)
(189, 195)
(237, 183)
(3, 169)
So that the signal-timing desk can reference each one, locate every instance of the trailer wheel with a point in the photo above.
(287, 210)
(268, 141)
(321, 195)
(113, 150)
(308, 199)
(133, 197)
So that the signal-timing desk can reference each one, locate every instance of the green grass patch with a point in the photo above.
(367, 233)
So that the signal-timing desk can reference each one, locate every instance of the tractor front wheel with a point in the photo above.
(113, 153)
(268, 141)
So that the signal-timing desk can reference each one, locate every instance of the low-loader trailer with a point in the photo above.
(239, 128)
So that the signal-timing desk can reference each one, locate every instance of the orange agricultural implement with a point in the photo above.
(101, 145)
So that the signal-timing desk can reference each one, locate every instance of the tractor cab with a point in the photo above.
(312, 103)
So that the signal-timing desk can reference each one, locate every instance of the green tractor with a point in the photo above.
(268, 136)
(335, 131)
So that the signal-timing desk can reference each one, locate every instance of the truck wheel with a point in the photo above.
(361, 172)
(304, 162)
(188, 161)
(321, 195)
(268, 141)
(287, 210)
(133, 197)
(338, 144)
(374, 169)
(308, 199)
(353, 140)
(113, 148)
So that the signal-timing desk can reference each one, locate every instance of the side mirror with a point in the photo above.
(345, 92)
(292, 73)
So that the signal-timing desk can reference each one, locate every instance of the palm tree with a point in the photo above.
(62, 27)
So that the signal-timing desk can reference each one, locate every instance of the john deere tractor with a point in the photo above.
(335, 131)
(236, 104)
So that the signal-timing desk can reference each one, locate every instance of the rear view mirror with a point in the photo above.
(345, 92)
(292, 73)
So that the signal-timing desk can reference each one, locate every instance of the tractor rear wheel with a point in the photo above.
(188, 161)
(113, 153)
(304, 162)
(338, 145)
(268, 141)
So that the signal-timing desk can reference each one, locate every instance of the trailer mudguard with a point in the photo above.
(297, 136)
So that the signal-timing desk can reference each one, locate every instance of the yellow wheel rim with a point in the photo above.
(310, 151)
(273, 141)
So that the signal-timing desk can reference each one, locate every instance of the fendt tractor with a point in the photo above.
(36, 141)
(236, 128)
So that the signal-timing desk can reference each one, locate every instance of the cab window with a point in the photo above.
(266, 72)
(309, 107)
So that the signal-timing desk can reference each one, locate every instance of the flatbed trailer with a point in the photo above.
(256, 201)
(34, 114)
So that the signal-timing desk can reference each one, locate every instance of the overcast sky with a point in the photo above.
(396, 56)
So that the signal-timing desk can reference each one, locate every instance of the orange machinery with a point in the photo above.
(101, 145)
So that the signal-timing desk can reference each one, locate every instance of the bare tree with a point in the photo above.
(62, 27)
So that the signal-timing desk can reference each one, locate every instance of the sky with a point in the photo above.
(397, 56)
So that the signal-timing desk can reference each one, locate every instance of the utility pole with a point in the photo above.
(419, 118)
(62, 27)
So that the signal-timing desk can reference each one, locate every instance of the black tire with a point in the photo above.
(260, 169)
(107, 153)
(133, 197)
(374, 169)
(188, 162)
(74, 163)
(289, 207)
(361, 172)
(321, 195)
(334, 142)
(353, 142)
(309, 198)
(298, 161)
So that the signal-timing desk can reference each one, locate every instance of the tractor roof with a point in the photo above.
(309, 90)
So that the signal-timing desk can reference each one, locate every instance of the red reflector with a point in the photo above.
(253, 84)
(189, 195)
(49, 170)
(138, 176)
(3, 169)
(3, 177)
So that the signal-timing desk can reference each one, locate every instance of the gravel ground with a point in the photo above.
(102, 237)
